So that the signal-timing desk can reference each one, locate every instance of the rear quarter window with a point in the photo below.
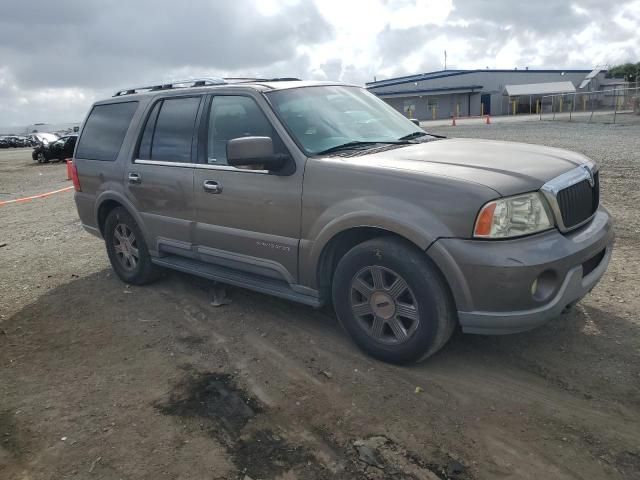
(104, 131)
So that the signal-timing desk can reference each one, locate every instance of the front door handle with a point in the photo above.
(212, 187)
(135, 178)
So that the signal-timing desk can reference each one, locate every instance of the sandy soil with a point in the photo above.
(101, 380)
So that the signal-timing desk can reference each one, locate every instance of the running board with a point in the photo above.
(230, 276)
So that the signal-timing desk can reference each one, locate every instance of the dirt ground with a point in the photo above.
(106, 381)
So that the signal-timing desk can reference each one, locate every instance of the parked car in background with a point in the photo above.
(24, 141)
(4, 143)
(55, 151)
(14, 142)
(31, 141)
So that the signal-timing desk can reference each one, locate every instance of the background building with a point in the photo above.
(446, 93)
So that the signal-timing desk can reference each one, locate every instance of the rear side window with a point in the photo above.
(104, 131)
(168, 133)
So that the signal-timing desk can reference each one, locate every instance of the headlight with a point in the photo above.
(513, 217)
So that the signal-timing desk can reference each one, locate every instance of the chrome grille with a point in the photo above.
(578, 202)
(574, 196)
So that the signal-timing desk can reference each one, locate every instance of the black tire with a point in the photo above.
(144, 271)
(432, 316)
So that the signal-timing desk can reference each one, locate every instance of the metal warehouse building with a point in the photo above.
(448, 93)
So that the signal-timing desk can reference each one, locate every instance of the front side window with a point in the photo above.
(104, 131)
(235, 116)
(168, 133)
(324, 117)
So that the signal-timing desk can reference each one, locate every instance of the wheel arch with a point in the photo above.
(343, 241)
(107, 201)
(103, 211)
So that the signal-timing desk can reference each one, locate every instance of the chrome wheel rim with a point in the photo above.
(384, 305)
(126, 247)
(41, 157)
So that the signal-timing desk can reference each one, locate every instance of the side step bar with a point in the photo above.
(234, 277)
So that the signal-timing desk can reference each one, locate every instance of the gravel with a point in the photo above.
(82, 360)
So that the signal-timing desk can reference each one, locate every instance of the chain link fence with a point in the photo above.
(615, 105)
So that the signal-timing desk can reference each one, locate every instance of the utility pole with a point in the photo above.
(445, 59)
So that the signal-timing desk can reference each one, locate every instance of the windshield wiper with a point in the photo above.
(413, 135)
(356, 144)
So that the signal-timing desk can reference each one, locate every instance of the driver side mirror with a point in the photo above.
(255, 152)
(415, 121)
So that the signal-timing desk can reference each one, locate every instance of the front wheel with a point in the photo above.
(127, 249)
(393, 301)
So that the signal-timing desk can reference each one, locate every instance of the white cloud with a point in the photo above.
(100, 47)
(422, 12)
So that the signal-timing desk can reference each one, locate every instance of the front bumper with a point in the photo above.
(491, 280)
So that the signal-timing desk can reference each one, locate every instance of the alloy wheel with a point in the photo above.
(384, 305)
(125, 246)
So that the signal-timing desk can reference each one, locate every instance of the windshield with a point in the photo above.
(321, 118)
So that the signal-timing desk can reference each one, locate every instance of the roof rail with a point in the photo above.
(259, 79)
(189, 83)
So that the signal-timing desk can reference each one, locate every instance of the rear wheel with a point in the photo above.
(127, 249)
(393, 301)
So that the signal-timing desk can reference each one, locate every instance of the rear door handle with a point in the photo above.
(135, 178)
(212, 187)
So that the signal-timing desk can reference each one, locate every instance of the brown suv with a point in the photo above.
(322, 193)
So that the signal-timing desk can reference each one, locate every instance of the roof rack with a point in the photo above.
(199, 82)
(259, 79)
(189, 83)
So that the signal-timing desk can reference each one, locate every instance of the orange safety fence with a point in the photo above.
(33, 197)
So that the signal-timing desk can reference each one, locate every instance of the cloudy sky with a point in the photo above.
(56, 57)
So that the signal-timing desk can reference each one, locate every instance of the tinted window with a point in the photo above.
(173, 134)
(144, 152)
(104, 131)
(233, 117)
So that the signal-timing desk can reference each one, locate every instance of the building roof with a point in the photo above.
(429, 91)
(539, 88)
(588, 78)
(451, 73)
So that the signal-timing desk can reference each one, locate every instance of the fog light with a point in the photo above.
(544, 285)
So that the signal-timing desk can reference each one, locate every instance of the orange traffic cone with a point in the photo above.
(488, 120)
(69, 162)
(453, 123)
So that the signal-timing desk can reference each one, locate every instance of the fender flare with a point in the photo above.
(421, 235)
(128, 206)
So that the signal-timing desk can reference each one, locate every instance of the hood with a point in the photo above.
(509, 168)
(45, 138)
